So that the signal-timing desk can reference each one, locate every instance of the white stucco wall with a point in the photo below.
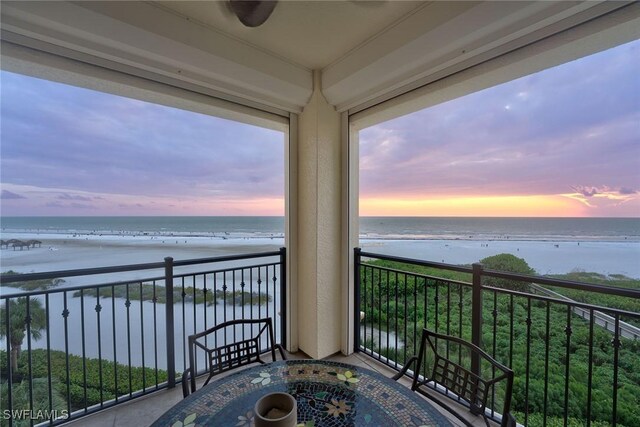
(319, 227)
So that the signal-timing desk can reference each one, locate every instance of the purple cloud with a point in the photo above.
(576, 123)
(74, 205)
(8, 195)
(536, 135)
(66, 196)
(65, 137)
(585, 191)
(626, 191)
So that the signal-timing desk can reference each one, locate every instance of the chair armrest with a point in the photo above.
(281, 350)
(405, 368)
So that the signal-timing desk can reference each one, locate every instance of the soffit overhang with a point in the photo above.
(430, 41)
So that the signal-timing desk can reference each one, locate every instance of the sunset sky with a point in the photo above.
(72, 151)
(563, 142)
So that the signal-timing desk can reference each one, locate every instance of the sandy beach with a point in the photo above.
(62, 252)
(546, 257)
(66, 251)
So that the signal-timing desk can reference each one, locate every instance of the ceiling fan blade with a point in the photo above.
(253, 13)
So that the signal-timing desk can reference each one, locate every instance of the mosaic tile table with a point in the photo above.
(328, 394)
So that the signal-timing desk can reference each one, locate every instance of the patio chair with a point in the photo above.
(443, 369)
(242, 342)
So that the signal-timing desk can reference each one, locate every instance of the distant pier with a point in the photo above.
(15, 244)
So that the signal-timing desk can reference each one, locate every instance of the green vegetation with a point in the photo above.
(33, 285)
(23, 313)
(20, 397)
(149, 292)
(90, 383)
(506, 262)
(405, 303)
(603, 300)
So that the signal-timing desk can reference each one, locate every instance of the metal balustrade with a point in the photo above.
(129, 336)
(572, 360)
(87, 347)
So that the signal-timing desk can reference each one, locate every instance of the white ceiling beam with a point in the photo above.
(146, 37)
(476, 33)
(437, 40)
(54, 67)
(616, 28)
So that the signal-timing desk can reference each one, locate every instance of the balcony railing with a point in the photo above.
(574, 362)
(70, 350)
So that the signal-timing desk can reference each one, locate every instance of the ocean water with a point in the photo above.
(238, 226)
(521, 229)
(395, 228)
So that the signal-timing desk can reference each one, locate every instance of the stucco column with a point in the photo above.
(319, 227)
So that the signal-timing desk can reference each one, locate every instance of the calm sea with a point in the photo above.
(556, 229)
(401, 228)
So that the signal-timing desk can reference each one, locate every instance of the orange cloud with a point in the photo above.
(599, 196)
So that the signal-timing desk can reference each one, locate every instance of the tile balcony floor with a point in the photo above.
(142, 412)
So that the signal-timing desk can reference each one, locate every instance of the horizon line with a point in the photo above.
(284, 216)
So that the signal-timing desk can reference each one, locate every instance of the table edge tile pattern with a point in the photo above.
(331, 394)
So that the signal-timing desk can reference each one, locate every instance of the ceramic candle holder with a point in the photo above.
(276, 410)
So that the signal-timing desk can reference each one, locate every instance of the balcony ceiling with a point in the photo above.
(311, 34)
(363, 50)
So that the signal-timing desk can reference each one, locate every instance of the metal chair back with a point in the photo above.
(236, 348)
(451, 367)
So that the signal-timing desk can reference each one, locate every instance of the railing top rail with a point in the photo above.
(40, 292)
(425, 276)
(17, 278)
(225, 258)
(562, 283)
(418, 262)
(610, 290)
(566, 302)
(226, 270)
(575, 304)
